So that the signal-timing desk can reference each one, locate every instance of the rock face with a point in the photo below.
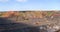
(11, 26)
(27, 24)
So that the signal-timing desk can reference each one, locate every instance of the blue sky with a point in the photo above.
(6, 5)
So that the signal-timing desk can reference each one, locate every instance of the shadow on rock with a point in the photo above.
(10, 26)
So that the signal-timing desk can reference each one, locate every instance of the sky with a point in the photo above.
(6, 5)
